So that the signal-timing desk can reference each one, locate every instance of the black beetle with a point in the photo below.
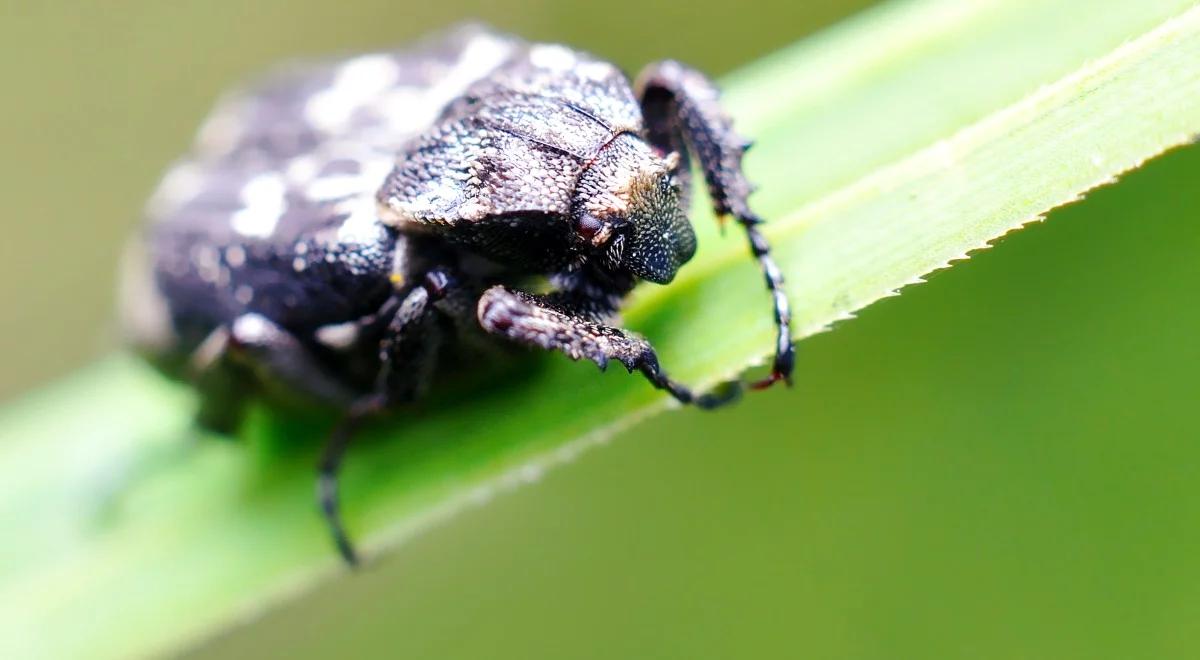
(339, 224)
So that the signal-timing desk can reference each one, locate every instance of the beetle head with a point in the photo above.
(627, 212)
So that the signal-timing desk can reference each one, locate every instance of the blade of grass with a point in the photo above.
(887, 148)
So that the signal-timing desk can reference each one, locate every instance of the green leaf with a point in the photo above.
(887, 147)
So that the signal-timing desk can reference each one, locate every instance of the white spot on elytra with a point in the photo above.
(264, 205)
(243, 294)
(338, 335)
(483, 54)
(357, 83)
(402, 108)
(413, 109)
(221, 132)
(181, 183)
(363, 225)
(235, 256)
(439, 194)
(334, 187)
(251, 328)
(552, 56)
(302, 168)
(595, 70)
(206, 262)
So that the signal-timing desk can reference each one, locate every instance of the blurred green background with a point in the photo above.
(1016, 476)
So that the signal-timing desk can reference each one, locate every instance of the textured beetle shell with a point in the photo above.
(341, 228)
(274, 210)
(318, 133)
(514, 143)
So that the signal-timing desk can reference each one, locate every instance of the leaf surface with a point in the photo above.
(887, 147)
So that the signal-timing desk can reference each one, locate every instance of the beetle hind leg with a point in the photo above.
(255, 349)
(221, 384)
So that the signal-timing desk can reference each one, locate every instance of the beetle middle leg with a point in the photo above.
(282, 363)
(682, 114)
(408, 341)
(558, 324)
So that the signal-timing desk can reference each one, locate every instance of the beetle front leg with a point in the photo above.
(553, 323)
(683, 114)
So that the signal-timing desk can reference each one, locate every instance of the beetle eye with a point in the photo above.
(588, 227)
(596, 232)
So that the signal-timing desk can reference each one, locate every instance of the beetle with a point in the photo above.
(338, 226)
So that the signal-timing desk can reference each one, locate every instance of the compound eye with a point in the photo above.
(588, 227)
(593, 230)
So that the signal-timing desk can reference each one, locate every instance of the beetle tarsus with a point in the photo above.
(329, 469)
(327, 486)
(785, 350)
(722, 395)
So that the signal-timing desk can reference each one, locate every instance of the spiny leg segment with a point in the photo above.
(682, 113)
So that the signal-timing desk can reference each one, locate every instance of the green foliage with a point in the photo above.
(886, 148)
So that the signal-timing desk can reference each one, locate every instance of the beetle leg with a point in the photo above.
(281, 362)
(329, 467)
(682, 114)
(547, 323)
(277, 359)
(407, 341)
(220, 384)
